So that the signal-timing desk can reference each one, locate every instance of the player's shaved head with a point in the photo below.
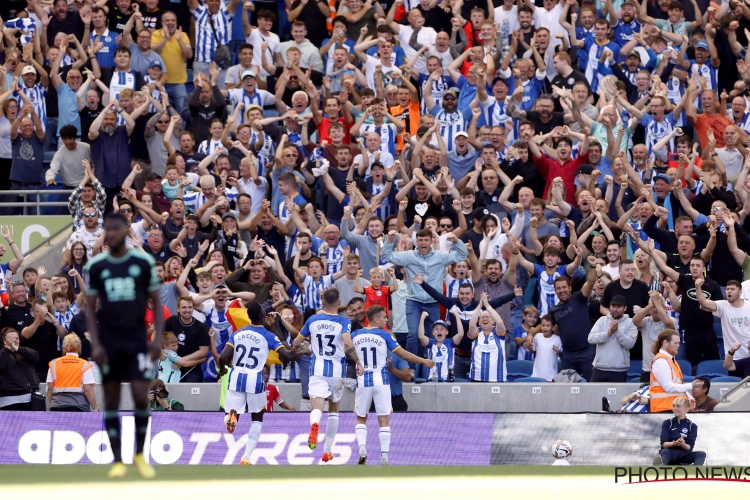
(331, 297)
(255, 313)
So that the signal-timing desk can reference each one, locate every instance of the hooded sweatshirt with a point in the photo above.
(613, 352)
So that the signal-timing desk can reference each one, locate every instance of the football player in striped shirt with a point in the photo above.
(440, 349)
(246, 352)
(373, 383)
(330, 340)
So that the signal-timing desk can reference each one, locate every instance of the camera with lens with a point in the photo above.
(161, 393)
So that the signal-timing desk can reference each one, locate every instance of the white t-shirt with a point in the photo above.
(735, 325)
(613, 271)
(385, 158)
(370, 65)
(545, 362)
(256, 39)
(426, 36)
(508, 21)
(257, 193)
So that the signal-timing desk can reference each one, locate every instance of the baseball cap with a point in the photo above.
(153, 175)
(462, 134)
(156, 64)
(618, 300)
(439, 322)
(28, 69)
(479, 213)
(193, 217)
(362, 186)
(247, 73)
(452, 91)
(700, 45)
(585, 169)
(228, 215)
(224, 287)
(634, 53)
(663, 177)
(376, 164)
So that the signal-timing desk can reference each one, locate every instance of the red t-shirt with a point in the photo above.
(377, 297)
(325, 125)
(149, 319)
(552, 168)
(272, 395)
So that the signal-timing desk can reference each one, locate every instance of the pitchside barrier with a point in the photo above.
(417, 438)
(444, 397)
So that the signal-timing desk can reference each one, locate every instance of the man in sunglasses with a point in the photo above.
(88, 233)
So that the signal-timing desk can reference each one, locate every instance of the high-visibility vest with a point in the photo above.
(67, 373)
(661, 400)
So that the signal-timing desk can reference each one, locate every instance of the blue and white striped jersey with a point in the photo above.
(208, 146)
(26, 25)
(251, 347)
(106, 56)
(385, 209)
(488, 358)
(120, 81)
(532, 89)
(438, 90)
(707, 71)
(635, 406)
(451, 123)
(266, 153)
(195, 199)
(387, 133)
(372, 345)
(452, 284)
(744, 124)
(223, 328)
(314, 290)
(205, 44)
(546, 284)
(325, 332)
(675, 91)
(335, 257)
(38, 97)
(260, 97)
(442, 355)
(656, 131)
(65, 318)
(493, 112)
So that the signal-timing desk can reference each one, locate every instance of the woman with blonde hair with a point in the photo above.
(70, 379)
(646, 270)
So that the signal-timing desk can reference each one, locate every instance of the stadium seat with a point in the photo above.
(635, 368)
(634, 379)
(688, 378)
(711, 369)
(461, 379)
(726, 379)
(419, 380)
(529, 380)
(518, 368)
(685, 366)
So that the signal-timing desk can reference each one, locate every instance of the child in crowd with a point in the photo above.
(547, 347)
(530, 318)
(456, 275)
(171, 362)
(440, 348)
(313, 280)
(377, 294)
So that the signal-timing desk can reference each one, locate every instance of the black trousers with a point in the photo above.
(682, 457)
(701, 346)
(605, 376)
(17, 407)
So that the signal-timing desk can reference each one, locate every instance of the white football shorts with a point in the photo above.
(236, 401)
(325, 388)
(381, 394)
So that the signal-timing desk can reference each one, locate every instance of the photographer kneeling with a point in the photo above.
(160, 400)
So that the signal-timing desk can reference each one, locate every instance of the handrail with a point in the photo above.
(39, 193)
(740, 385)
(48, 241)
(36, 191)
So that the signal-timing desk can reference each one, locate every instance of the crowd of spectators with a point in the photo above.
(553, 181)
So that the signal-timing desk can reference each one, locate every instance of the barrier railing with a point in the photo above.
(37, 202)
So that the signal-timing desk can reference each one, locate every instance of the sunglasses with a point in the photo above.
(17, 282)
(446, 225)
(126, 210)
(290, 156)
(162, 121)
(90, 215)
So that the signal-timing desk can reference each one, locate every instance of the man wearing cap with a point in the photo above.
(451, 119)
(248, 94)
(613, 335)
(141, 55)
(34, 93)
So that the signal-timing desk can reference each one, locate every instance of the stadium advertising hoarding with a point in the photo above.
(418, 439)
(29, 231)
(200, 438)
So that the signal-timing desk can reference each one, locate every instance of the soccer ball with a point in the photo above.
(562, 450)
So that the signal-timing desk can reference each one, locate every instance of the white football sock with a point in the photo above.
(361, 432)
(385, 440)
(252, 439)
(332, 427)
(315, 416)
